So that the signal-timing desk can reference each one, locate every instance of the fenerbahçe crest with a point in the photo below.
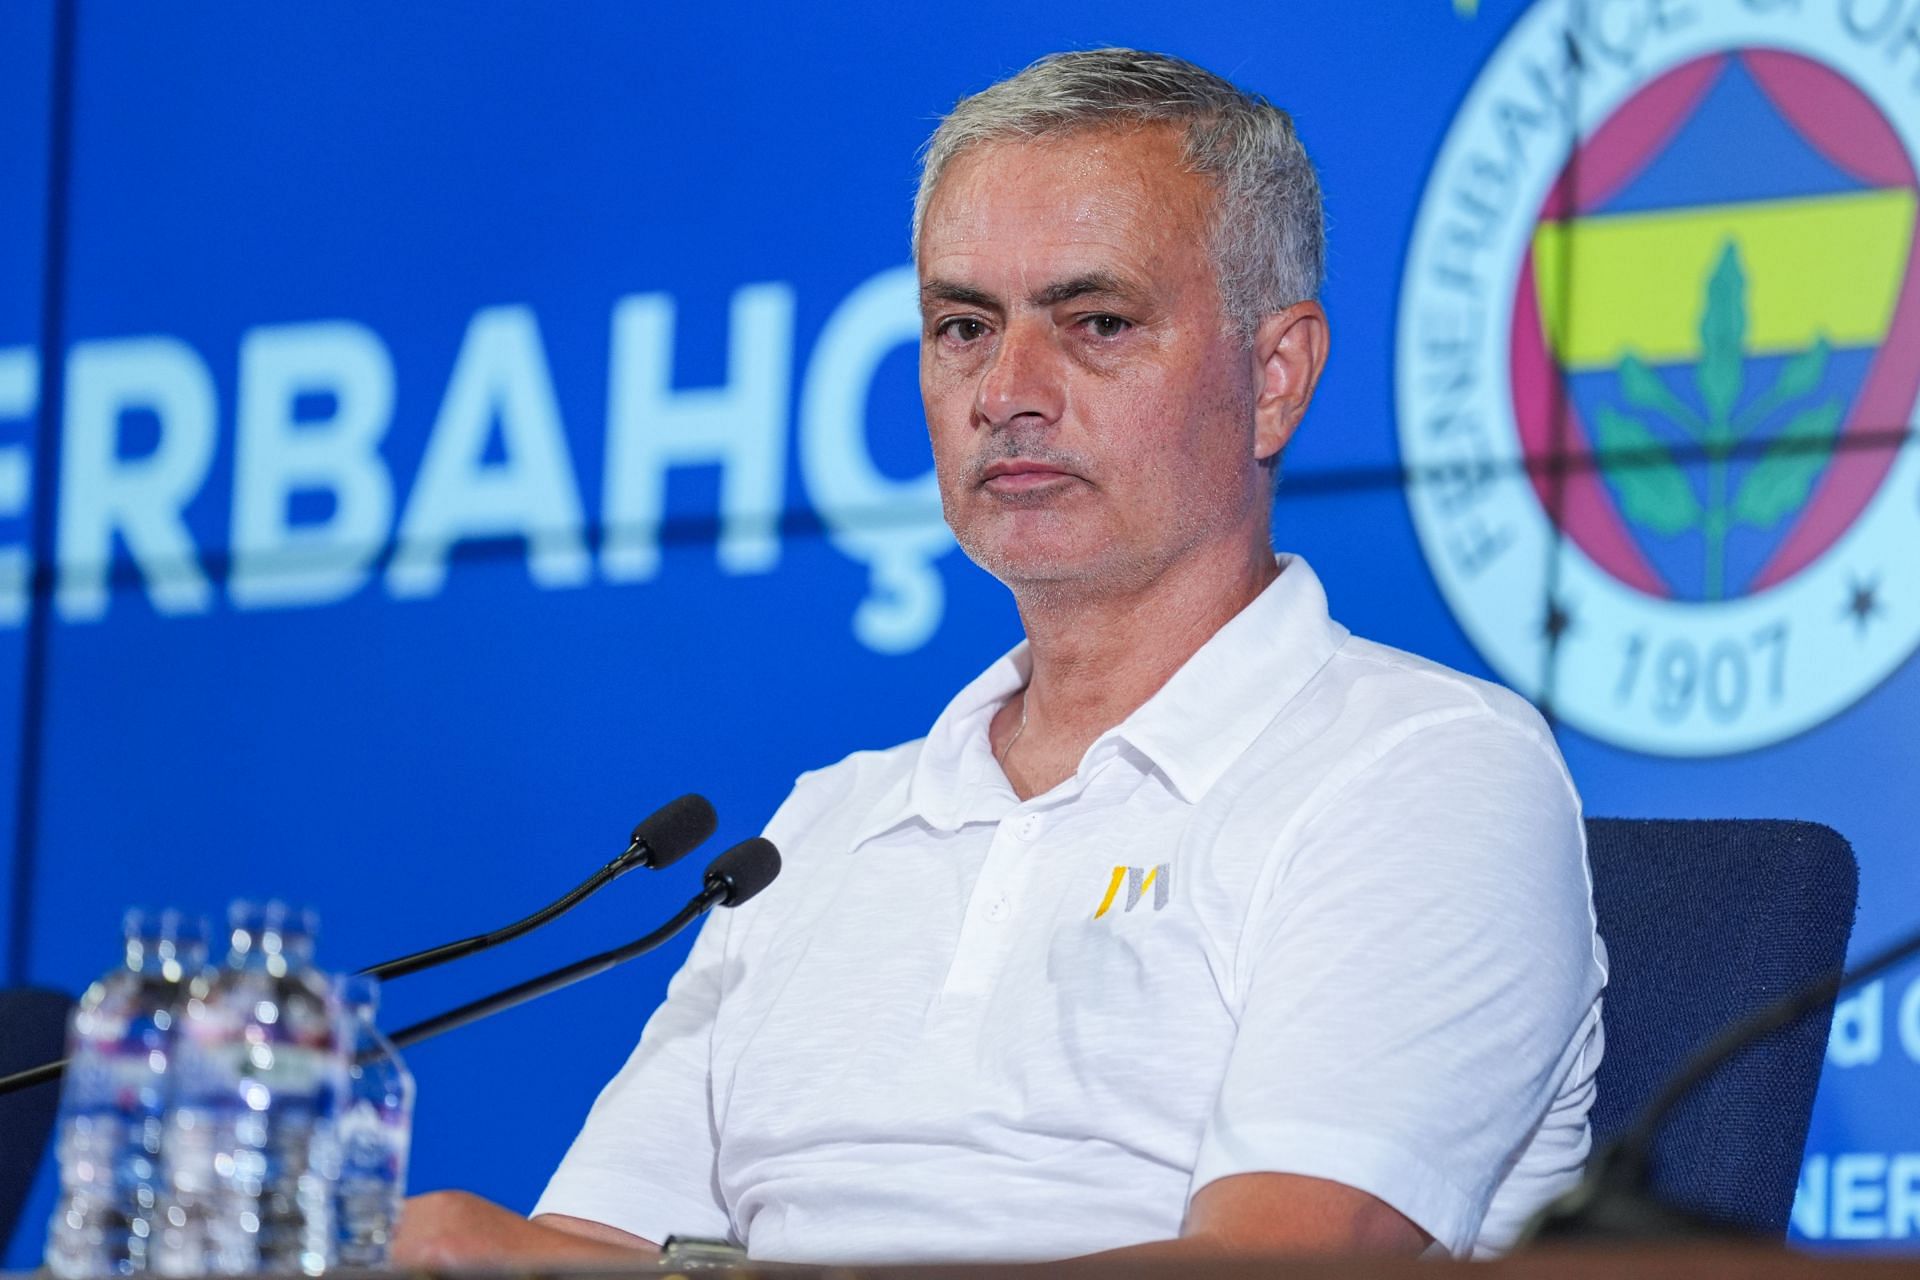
(1657, 360)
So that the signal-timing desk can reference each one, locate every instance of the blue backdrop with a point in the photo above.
(481, 423)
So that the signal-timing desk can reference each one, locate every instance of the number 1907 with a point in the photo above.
(1680, 678)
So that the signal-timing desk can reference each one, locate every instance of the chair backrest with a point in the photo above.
(1706, 922)
(33, 1029)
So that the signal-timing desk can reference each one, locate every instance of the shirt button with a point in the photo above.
(1029, 826)
(1000, 908)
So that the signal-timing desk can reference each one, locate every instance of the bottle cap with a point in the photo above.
(149, 923)
(165, 936)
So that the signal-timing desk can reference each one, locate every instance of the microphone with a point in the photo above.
(742, 871)
(1613, 1200)
(730, 879)
(670, 833)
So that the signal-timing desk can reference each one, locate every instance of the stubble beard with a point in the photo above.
(979, 517)
(1104, 570)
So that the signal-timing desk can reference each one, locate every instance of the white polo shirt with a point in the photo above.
(1317, 907)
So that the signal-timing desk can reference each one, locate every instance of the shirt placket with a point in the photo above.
(997, 907)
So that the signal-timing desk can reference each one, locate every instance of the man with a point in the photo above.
(1195, 925)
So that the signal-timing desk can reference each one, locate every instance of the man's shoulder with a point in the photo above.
(1401, 692)
(869, 769)
(1373, 711)
(847, 793)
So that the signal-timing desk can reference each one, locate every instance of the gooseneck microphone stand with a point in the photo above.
(664, 837)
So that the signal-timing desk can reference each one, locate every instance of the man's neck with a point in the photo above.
(1098, 656)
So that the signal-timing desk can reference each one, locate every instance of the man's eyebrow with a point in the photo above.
(1080, 286)
(938, 290)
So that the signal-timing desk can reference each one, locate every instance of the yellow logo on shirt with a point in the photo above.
(1138, 880)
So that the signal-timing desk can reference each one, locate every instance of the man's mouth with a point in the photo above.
(1021, 475)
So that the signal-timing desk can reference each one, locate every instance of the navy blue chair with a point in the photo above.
(33, 1029)
(1705, 923)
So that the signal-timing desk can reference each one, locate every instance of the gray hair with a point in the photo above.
(1268, 236)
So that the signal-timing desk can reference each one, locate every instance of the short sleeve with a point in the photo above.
(1419, 980)
(645, 1159)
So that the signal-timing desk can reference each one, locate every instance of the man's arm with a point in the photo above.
(1282, 1213)
(451, 1228)
(1252, 1214)
(1419, 985)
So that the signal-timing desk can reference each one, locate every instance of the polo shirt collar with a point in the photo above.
(1191, 730)
(1210, 712)
(956, 779)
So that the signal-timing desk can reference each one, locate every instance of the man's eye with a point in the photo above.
(1106, 326)
(962, 329)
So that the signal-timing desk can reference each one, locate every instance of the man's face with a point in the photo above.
(1091, 412)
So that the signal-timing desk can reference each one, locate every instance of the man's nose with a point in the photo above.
(1023, 379)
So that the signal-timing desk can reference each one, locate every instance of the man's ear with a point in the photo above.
(1289, 351)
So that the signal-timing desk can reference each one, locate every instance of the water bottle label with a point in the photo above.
(258, 1074)
(301, 1070)
(128, 1082)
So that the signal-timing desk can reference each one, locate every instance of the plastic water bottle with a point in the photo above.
(250, 1154)
(113, 1100)
(376, 1129)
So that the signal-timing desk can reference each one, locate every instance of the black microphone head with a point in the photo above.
(743, 870)
(674, 830)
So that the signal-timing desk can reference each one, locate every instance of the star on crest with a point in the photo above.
(1863, 602)
(1557, 622)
